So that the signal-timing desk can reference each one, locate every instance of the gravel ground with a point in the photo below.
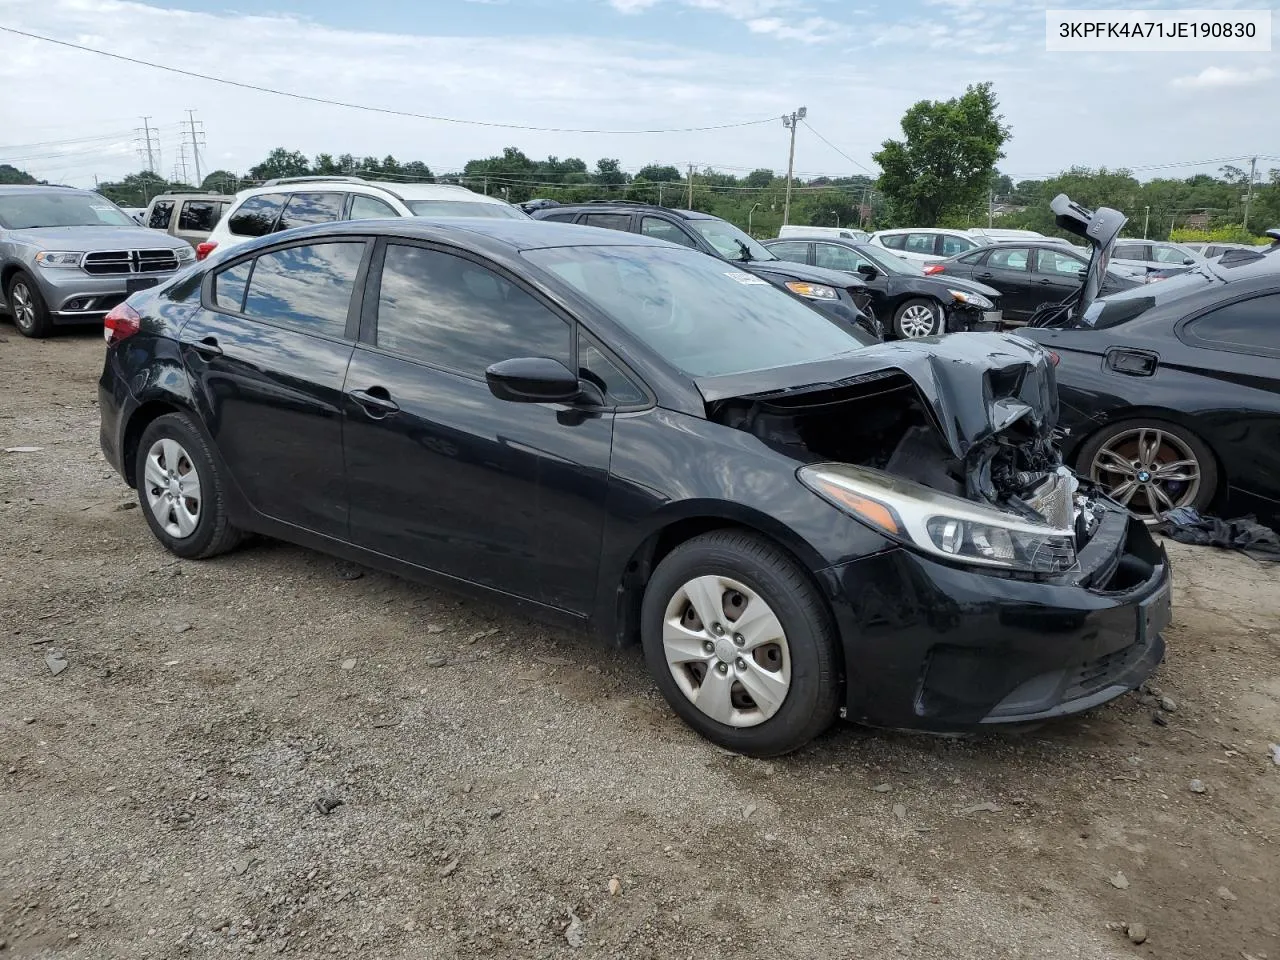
(509, 791)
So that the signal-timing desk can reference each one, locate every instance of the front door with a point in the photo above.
(1057, 274)
(442, 473)
(268, 355)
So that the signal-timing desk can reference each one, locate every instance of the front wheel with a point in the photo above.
(742, 647)
(26, 304)
(918, 318)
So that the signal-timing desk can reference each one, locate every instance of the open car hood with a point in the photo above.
(1100, 227)
(975, 384)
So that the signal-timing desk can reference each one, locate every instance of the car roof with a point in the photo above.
(402, 191)
(192, 196)
(41, 188)
(959, 233)
(629, 206)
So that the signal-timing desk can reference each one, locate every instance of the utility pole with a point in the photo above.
(1146, 221)
(690, 206)
(749, 213)
(791, 122)
(991, 208)
(147, 140)
(1248, 197)
(660, 186)
(180, 165)
(195, 146)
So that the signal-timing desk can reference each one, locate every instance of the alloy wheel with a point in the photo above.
(1149, 471)
(172, 487)
(727, 651)
(916, 321)
(23, 306)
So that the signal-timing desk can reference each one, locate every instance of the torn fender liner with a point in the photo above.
(975, 384)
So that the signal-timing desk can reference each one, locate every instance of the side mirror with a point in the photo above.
(532, 380)
(1188, 262)
(867, 271)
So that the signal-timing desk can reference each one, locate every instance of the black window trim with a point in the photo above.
(354, 308)
(1188, 336)
(612, 356)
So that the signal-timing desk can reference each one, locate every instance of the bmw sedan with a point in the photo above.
(625, 436)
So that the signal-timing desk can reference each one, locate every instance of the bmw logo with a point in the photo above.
(1144, 476)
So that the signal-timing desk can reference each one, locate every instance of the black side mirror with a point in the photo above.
(1188, 262)
(532, 380)
(867, 271)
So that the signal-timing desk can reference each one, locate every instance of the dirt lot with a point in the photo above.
(532, 797)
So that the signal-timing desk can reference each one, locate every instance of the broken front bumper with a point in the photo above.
(934, 647)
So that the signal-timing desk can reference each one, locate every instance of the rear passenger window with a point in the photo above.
(160, 214)
(306, 288)
(305, 208)
(919, 243)
(257, 216)
(974, 258)
(559, 217)
(894, 241)
(1009, 258)
(653, 227)
(953, 245)
(791, 251)
(199, 215)
(457, 314)
(1130, 251)
(1241, 327)
(369, 208)
(610, 221)
(229, 284)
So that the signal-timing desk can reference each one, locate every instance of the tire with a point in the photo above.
(798, 674)
(193, 528)
(1128, 440)
(909, 318)
(27, 307)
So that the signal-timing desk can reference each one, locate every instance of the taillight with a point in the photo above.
(933, 268)
(1054, 358)
(204, 249)
(123, 321)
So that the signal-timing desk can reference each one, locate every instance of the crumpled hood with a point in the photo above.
(975, 384)
(89, 239)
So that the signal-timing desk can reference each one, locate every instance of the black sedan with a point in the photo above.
(1028, 274)
(1171, 392)
(913, 303)
(619, 434)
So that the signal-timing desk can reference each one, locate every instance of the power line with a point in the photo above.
(837, 149)
(360, 106)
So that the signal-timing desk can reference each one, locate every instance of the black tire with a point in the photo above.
(213, 533)
(34, 321)
(812, 700)
(1206, 461)
(914, 305)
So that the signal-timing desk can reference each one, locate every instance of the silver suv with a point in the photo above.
(69, 256)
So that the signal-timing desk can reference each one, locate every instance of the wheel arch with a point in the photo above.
(141, 418)
(6, 274)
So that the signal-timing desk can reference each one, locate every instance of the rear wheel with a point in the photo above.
(1151, 467)
(740, 643)
(918, 318)
(26, 304)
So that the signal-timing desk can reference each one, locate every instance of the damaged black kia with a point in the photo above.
(623, 435)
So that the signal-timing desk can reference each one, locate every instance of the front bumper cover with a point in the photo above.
(934, 647)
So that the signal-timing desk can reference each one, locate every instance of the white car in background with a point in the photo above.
(926, 244)
(1145, 256)
(846, 233)
(296, 201)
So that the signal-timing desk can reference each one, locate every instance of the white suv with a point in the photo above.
(926, 244)
(296, 201)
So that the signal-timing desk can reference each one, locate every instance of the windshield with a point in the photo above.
(463, 208)
(890, 263)
(697, 313)
(730, 242)
(58, 208)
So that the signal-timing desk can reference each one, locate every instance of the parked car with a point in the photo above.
(1028, 274)
(1010, 235)
(919, 305)
(1170, 392)
(843, 298)
(847, 233)
(188, 216)
(620, 435)
(1149, 255)
(68, 256)
(926, 244)
(296, 201)
(531, 205)
(137, 213)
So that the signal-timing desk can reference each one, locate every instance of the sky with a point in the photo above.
(607, 65)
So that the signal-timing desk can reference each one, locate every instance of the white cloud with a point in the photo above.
(1211, 77)
(808, 30)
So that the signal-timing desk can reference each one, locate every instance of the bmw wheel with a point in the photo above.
(1151, 467)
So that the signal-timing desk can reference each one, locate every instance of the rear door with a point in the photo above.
(308, 208)
(445, 475)
(268, 356)
(1058, 273)
(1008, 269)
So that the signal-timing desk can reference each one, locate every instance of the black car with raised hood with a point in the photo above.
(1028, 273)
(838, 295)
(617, 434)
(912, 303)
(1170, 392)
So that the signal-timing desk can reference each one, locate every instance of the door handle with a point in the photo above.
(376, 402)
(1044, 280)
(208, 347)
(985, 276)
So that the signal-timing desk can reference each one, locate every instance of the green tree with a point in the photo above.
(417, 170)
(325, 164)
(221, 181)
(9, 174)
(946, 158)
(135, 190)
(758, 178)
(609, 173)
(659, 174)
(281, 163)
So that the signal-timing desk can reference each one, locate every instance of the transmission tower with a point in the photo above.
(148, 140)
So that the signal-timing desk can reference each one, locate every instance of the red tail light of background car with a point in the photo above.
(204, 249)
(123, 321)
(933, 268)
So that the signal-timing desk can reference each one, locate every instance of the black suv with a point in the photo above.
(836, 294)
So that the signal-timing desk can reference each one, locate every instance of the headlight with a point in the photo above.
(185, 253)
(814, 291)
(53, 258)
(939, 524)
(971, 299)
